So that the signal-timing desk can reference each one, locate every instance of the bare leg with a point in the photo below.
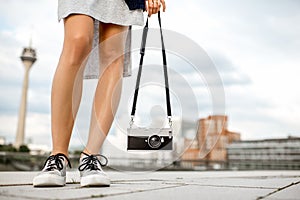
(77, 45)
(109, 86)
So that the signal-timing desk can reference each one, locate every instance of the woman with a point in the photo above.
(113, 17)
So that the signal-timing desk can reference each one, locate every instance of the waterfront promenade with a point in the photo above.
(268, 185)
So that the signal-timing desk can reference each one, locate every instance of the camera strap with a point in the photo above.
(137, 85)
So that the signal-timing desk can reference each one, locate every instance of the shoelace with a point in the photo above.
(56, 162)
(91, 162)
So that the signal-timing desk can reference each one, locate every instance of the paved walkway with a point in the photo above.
(268, 185)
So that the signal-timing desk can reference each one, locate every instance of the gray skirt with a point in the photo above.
(107, 11)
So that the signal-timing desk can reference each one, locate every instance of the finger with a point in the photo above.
(150, 8)
(149, 12)
(163, 4)
(156, 6)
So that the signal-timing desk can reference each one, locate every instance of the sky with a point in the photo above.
(254, 45)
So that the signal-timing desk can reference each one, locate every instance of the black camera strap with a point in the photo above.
(142, 52)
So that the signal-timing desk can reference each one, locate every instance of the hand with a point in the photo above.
(153, 6)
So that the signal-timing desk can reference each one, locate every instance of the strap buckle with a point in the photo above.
(131, 121)
(170, 121)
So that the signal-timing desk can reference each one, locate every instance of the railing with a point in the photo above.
(10, 161)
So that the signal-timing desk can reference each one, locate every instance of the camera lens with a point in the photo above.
(154, 141)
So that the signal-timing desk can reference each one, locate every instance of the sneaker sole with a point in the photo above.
(49, 180)
(94, 180)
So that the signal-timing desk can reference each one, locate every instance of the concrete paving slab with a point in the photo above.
(74, 191)
(173, 175)
(194, 192)
(9, 198)
(265, 183)
(12, 178)
(25, 178)
(161, 185)
(291, 192)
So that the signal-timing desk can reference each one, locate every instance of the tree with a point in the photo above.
(24, 148)
(8, 147)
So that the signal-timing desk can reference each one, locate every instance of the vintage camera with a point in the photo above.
(149, 139)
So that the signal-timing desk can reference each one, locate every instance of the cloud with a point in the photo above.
(253, 44)
(14, 35)
(37, 128)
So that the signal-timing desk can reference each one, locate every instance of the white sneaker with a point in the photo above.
(91, 173)
(54, 171)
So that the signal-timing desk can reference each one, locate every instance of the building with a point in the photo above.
(214, 136)
(211, 141)
(28, 58)
(265, 154)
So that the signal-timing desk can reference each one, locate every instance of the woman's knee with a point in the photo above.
(77, 47)
(110, 55)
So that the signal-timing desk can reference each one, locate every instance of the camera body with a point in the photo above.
(149, 139)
